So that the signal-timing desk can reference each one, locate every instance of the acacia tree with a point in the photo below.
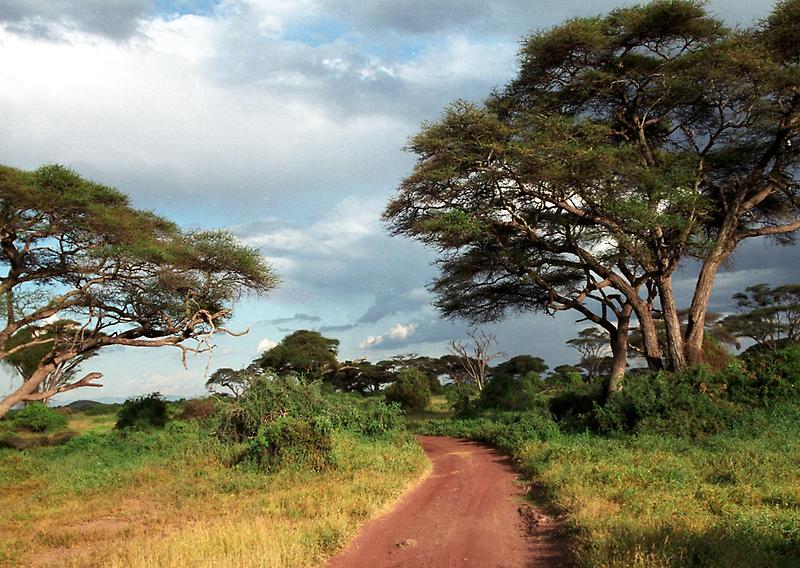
(26, 361)
(766, 314)
(303, 351)
(234, 381)
(592, 344)
(74, 249)
(626, 144)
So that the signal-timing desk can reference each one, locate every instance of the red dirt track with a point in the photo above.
(466, 513)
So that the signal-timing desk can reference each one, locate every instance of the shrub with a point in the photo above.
(381, 419)
(519, 428)
(766, 376)
(142, 413)
(462, 398)
(505, 392)
(198, 408)
(411, 390)
(293, 442)
(267, 399)
(283, 421)
(37, 417)
(688, 403)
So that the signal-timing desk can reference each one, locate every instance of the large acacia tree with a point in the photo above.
(306, 352)
(626, 144)
(75, 251)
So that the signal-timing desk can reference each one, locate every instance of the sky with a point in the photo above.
(284, 121)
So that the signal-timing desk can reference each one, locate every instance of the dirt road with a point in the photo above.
(465, 513)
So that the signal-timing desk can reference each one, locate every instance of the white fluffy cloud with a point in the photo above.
(397, 335)
(265, 345)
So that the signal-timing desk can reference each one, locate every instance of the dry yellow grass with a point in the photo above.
(184, 508)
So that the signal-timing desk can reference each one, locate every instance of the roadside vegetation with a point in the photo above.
(183, 494)
(698, 468)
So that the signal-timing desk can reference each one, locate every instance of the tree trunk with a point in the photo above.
(695, 330)
(27, 388)
(619, 352)
(675, 357)
(650, 343)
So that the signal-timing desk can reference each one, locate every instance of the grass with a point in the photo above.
(167, 499)
(729, 499)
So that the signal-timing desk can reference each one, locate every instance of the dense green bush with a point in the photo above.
(380, 419)
(462, 398)
(505, 392)
(282, 421)
(505, 430)
(36, 417)
(692, 402)
(366, 416)
(269, 398)
(142, 413)
(766, 376)
(689, 403)
(411, 390)
(293, 442)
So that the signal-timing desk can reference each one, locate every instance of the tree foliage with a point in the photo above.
(626, 144)
(305, 352)
(232, 382)
(767, 314)
(411, 390)
(70, 246)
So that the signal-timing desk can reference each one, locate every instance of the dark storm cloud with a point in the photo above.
(116, 19)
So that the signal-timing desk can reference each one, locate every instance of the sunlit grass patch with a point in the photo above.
(664, 501)
(166, 499)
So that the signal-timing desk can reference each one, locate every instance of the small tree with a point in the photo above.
(234, 381)
(520, 366)
(359, 376)
(475, 356)
(592, 344)
(125, 277)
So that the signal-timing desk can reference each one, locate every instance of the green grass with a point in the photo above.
(166, 498)
(729, 499)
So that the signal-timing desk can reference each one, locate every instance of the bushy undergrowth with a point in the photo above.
(505, 392)
(411, 390)
(200, 408)
(142, 413)
(36, 417)
(694, 402)
(283, 421)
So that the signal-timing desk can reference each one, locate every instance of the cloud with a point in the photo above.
(397, 335)
(116, 19)
(401, 332)
(265, 345)
(371, 342)
(298, 317)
